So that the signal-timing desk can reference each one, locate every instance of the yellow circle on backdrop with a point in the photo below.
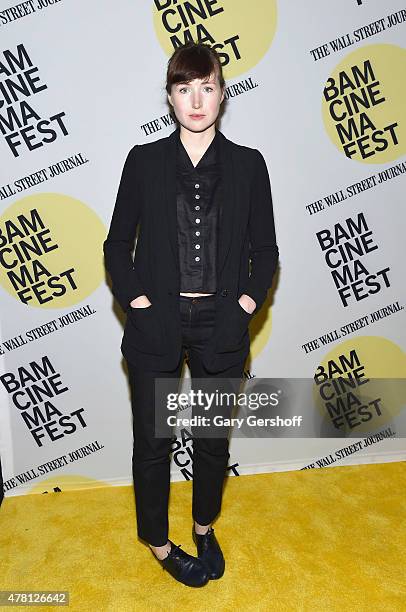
(51, 250)
(372, 75)
(67, 482)
(383, 363)
(240, 31)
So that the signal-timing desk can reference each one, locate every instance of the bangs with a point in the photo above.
(193, 65)
(193, 61)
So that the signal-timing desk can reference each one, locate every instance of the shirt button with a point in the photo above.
(197, 207)
(197, 196)
(197, 233)
(197, 258)
(197, 246)
(197, 220)
(197, 185)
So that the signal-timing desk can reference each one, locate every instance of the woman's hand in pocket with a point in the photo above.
(247, 303)
(140, 302)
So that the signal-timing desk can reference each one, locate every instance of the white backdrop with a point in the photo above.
(80, 84)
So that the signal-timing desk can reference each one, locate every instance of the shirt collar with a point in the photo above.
(209, 158)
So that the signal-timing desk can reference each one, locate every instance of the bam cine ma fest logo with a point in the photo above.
(360, 385)
(51, 250)
(240, 31)
(363, 104)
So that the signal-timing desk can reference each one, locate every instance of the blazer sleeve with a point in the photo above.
(119, 244)
(263, 249)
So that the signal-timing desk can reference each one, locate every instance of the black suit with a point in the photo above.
(147, 196)
(213, 329)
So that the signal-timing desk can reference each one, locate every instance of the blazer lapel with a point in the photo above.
(229, 204)
(169, 165)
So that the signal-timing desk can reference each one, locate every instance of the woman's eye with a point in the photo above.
(182, 89)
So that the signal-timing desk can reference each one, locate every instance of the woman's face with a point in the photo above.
(197, 104)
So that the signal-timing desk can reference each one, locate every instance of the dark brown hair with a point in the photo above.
(193, 60)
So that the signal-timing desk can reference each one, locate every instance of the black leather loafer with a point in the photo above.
(209, 551)
(183, 567)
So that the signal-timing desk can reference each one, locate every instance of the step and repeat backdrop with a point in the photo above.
(319, 89)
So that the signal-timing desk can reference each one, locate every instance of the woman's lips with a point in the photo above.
(196, 116)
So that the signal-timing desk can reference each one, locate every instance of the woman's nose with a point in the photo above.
(196, 102)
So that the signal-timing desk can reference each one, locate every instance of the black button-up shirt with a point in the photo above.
(198, 200)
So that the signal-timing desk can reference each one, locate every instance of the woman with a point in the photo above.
(204, 210)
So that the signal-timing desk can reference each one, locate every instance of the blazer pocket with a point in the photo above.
(144, 329)
(234, 333)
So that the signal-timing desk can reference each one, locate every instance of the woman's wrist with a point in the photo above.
(141, 301)
(247, 303)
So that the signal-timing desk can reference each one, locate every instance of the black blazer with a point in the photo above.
(146, 199)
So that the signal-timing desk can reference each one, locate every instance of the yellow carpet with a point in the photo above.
(318, 540)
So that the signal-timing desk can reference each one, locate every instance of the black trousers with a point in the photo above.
(151, 455)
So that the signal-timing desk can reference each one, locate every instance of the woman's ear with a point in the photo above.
(170, 99)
